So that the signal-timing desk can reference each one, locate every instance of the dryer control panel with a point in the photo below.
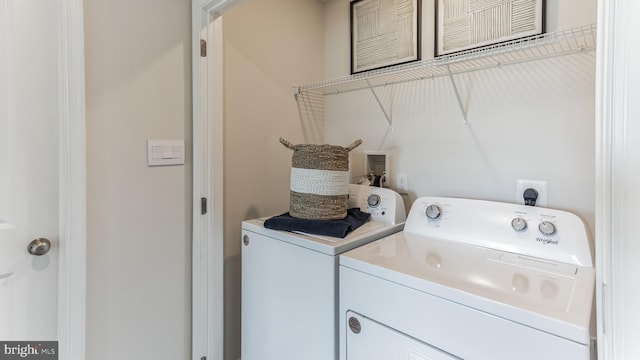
(527, 230)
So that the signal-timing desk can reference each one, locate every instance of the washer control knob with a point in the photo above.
(547, 228)
(373, 200)
(519, 224)
(433, 212)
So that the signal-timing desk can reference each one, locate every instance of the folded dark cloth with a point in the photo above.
(335, 228)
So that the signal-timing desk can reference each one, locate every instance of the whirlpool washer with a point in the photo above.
(290, 281)
(470, 279)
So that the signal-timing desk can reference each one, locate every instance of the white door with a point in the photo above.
(28, 169)
(369, 340)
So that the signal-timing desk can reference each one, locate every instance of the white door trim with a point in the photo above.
(604, 186)
(207, 242)
(208, 229)
(616, 179)
(72, 181)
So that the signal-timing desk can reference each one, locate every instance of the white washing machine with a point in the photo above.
(290, 281)
(470, 279)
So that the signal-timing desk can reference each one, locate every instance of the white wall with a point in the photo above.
(529, 121)
(138, 72)
(269, 46)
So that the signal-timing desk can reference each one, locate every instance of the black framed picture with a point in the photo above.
(468, 24)
(384, 33)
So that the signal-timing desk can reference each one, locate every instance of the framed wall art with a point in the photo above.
(384, 33)
(467, 24)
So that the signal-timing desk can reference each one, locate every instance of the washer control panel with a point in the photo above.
(528, 230)
(373, 200)
(385, 205)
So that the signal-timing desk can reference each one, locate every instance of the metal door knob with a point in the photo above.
(39, 246)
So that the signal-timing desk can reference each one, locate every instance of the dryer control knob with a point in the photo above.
(373, 200)
(433, 212)
(547, 228)
(519, 224)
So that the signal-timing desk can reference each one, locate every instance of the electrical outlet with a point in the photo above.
(539, 186)
(402, 183)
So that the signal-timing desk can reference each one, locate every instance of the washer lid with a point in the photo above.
(326, 244)
(551, 296)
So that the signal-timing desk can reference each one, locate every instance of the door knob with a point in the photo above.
(39, 246)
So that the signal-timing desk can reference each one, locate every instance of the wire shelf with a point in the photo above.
(511, 52)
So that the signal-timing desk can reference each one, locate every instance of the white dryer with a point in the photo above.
(470, 279)
(290, 281)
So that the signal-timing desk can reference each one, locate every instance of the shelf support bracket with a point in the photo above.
(455, 91)
(296, 91)
(386, 115)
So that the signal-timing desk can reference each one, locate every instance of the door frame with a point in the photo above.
(616, 179)
(208, 180)
(207, 234)
(72, 181)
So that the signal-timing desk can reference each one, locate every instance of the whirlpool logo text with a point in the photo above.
(547, 241)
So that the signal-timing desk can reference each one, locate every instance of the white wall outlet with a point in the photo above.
(539, 186)
(402, 183)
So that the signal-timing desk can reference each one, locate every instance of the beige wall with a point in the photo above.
(139, 218)
(268, 47)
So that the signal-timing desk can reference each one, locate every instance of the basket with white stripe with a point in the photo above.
(319, 180)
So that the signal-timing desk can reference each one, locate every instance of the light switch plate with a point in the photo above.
(165, 152)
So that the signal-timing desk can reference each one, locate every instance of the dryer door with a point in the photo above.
(370, 340)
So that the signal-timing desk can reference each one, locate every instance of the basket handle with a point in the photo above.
(354, 145)
(289, 145)
(286, 143)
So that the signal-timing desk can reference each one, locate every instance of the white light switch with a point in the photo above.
(165, 152)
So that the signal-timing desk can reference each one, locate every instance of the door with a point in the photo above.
(370, 340)
(28, 169)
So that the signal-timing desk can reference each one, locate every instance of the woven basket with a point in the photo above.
(319, 180)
